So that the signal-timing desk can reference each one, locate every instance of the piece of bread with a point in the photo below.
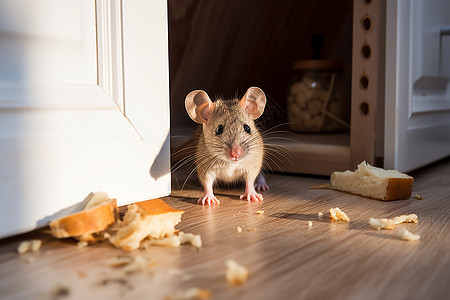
(373, 182)
(236, 273)
(100, 212)
(337, 214)
(152, 218)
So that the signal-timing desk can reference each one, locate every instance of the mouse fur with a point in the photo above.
(230, 147)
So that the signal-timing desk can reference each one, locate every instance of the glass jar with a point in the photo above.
(317, 100)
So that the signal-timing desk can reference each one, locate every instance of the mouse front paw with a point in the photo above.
(252, 196)
(209, 199)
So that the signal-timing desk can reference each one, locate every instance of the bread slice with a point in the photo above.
(373, 182)
(152, 218)
(100, 212)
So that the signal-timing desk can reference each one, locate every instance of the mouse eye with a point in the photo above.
(247, 128)
(219, 129)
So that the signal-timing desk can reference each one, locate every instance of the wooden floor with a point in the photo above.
(286, 258)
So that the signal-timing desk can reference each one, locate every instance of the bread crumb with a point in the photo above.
(171, 241)
(138, 264)
(407, 235)
(194, 239)
(251, 229)
(319, 214)
(390, 223)
(236, 273)
(82, 244)
(174, 241)
(417, 196)
(193, 293)
(130, 264)
(25, 246)
(411, 218)
(260, 212)
(310, 224)
(381, 223)
(36, 245)
(337, 214)
(239, 229)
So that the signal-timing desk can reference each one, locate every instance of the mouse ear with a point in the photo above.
(254, 102)
(199, 106)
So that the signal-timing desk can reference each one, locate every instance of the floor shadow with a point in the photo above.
(301, 217)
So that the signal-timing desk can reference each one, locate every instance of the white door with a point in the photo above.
(417, 116)
(84, 105)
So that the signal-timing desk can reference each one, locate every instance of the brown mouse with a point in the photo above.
(230, 147)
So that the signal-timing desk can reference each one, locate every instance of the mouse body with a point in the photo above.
(230, 147)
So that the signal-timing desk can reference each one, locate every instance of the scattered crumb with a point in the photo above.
(381, 223)
(239, 229)
(251, 229)
(411, 218)
(36, 245)
(319, 214)
(322, 186)
(171, 241)
(390, 223)
(309, 224)
(236, 273)
(417, 196)
(138, 264)
(82, 244)
(194, 239)
(130, 264)
(193, 293)
(25, 246)
(260, 212)
(174, 241)
(337, 214)
(407, 236)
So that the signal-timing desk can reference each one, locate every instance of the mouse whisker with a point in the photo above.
(279, 152)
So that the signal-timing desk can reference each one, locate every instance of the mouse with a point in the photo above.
(230, 147)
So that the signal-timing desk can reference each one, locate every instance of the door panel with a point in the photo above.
(40, 46)
(417, 105)
(62, 134)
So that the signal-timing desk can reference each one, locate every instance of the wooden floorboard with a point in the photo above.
(286, 258)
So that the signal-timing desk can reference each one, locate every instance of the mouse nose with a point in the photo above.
(235, 152)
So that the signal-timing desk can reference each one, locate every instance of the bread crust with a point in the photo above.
(399, 188)
(155, 207)
(93, 220)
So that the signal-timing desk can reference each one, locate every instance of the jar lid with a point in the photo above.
(319, 65)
